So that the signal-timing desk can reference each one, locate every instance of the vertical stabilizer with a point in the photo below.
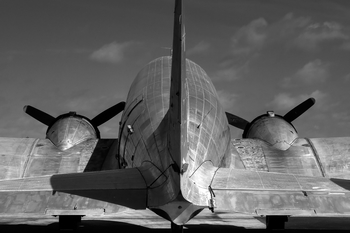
(178, 68)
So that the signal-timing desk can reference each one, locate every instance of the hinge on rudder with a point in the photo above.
(211, 200)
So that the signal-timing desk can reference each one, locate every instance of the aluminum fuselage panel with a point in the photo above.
(144, 126)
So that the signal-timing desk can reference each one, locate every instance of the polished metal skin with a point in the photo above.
(175, 156)
(146, 114)
(272, 129)
(70, 130)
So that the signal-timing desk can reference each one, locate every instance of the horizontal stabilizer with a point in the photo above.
(268, 193)
(124, 187)
(237, 179)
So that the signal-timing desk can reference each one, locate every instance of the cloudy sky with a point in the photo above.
(82, 55)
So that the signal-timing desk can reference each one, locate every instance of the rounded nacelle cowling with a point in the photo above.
(273, 129)
(68, 130)
(71, 129)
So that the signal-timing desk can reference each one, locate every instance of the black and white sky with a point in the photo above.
(82, 55)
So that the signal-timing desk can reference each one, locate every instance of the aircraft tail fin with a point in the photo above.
(178, 72)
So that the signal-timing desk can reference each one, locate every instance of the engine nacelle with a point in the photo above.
(273, 129)
(71, 129)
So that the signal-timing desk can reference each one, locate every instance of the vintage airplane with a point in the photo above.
(174, 156)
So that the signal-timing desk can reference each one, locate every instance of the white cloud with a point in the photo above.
(68, 51)
(199, 48)
(306, 33)
(291, 24)
(258, 33)
(311, 36)
(318, 95)
(302, 32)
(311, 73)
(249, 41)
(227, 99)
(341, 116)
(285, 101)
(347, 77)
(111, 53)
(314, 71)
(229, 74)
(345, 46)
(249, 38)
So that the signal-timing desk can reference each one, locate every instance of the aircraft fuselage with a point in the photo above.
(144, 136)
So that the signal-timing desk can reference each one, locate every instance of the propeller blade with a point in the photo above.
(298, 110)
(236, 121)
(39, 115)
(108, 114)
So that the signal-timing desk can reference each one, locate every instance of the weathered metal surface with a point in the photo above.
(101, 180)
(111, 186)
(70, 130)
(334, 155)
(234, 160)
(14, 156)
(251, 153)
(145, 142)
(298, 159)
(283, 203)
(49, 203)
(272, 129)
(144, 130)
(258, 155)
(175, 143)
(248, 180)
(249, 192)
(150, 130)
(208, 133)
(29, 157)
(24, 161)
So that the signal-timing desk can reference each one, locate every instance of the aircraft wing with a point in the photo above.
(36, 177)
(328, 157)
(268, 193)
(30, 157)
(333, 154)
(310, 178)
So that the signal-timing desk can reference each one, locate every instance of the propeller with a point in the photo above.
(236, 121)
(298, 110)
(39, 115)
(98, 120)
(107, 114)
(289, 116)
